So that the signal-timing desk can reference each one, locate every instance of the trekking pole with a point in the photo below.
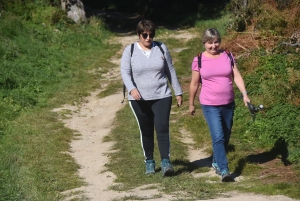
(253, 109)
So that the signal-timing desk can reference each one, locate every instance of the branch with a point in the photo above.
(241, 46)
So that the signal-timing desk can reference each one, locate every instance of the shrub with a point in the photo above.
(278, 122)
(276, 83)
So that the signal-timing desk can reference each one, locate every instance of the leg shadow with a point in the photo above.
(279, 149)
(191, 166)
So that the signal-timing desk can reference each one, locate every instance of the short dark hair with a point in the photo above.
(145, 26)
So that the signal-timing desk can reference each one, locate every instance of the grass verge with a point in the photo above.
(43, 66)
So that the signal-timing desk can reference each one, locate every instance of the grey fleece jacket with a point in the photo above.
(149, 75)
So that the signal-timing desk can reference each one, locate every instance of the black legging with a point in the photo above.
(149, 114)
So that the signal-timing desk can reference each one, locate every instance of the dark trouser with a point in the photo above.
(149, 115)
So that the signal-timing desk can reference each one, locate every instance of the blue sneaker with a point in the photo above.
(216, 168)
(166, 167)
(226, 176)
(150, 167)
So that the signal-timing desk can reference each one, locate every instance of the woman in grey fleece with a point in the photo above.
(146, 68)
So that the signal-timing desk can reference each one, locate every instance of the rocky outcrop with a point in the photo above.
(74, 9)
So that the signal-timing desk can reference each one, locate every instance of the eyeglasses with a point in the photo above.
(145, 35)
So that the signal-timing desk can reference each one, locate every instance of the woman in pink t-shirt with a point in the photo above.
(216, 97)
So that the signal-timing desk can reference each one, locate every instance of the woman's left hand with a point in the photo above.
(179, 100)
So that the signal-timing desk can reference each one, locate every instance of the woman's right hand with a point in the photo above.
(192, 109)
(135, 94)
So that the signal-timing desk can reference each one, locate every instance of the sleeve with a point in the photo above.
(126, 68)
(195, 64)
(171, 73)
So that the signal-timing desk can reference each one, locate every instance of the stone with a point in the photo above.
(75, 10)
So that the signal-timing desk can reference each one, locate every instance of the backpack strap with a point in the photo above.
(124, 90)
(159, 45)
(124, 87)
(131, 52)
(199, 64)
(156, 43)
(230, 57)
(199, 61)
(228, 53)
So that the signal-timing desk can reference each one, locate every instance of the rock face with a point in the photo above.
(74, 9)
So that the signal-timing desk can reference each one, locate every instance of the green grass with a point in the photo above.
(35, 158)
(113, 87)
(47, 61)
(130, 153)
(220, 24)
(43, 67)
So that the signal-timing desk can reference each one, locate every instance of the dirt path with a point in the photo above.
(93, 120)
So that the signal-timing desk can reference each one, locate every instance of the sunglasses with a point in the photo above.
(145, 35)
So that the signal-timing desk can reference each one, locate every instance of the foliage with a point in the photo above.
(276, 15)
(175, 12)
(278, 89)
(45, 62)
(273, 79)
(242, 14)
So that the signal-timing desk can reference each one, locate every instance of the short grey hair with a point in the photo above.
(210, 34)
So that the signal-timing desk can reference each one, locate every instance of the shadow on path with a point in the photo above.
(122, 23)
(279, 149)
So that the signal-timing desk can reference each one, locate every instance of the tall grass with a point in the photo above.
(43, 64)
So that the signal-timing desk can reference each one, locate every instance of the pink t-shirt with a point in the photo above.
(216, 74)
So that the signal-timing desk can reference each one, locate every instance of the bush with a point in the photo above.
(275, 82)
(278, 122)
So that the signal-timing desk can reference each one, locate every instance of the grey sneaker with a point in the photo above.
(166, 167)
(150, 167)
(216, 168)
(226, 176)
